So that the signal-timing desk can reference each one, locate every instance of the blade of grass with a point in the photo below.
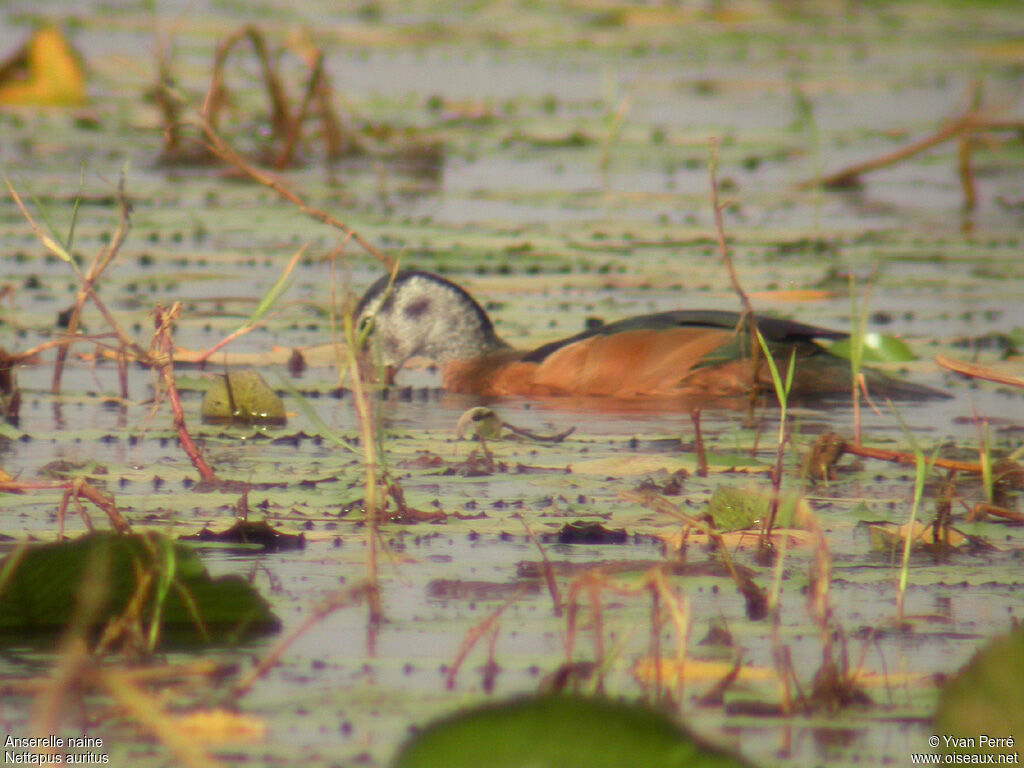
(922, 468)
(54, 246)
(782, 390)
(310, 412)
(280, 286)
(984, 450)
(74, 209)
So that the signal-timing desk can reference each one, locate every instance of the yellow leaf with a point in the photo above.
(219, 726)
(44, 71)
(700, 671)
(887, 537)
(697, 670)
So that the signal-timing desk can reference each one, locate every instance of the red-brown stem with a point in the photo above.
(850, 173)
(164, 362)
(122, 371)
(549, 572)
(766, 532)
(473, 636)
(857, 383)
(979, 372)
(367, 438)
(291, 139)
(89, 492)
(964, 148)
(698, 441)
(909, 458)
(221, 149)
(62, 511)
(320, 611)
(73, 491)
(215, 96)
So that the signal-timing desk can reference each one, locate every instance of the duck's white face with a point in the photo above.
(422, 314)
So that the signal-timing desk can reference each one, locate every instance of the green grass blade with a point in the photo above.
(280, 286)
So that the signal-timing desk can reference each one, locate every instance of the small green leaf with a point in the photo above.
(877, 349)
(734, 508)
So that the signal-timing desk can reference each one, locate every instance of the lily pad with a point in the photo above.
(560, 732)
(242, 396)
(42, 586)
(734, 508)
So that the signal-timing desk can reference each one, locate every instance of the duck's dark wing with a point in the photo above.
(772, 328)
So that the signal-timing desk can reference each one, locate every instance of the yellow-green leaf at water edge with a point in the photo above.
(244, 397)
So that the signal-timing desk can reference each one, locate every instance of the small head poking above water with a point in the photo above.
(422, 314)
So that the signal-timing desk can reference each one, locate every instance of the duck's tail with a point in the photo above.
(823, 374)
(881, 385)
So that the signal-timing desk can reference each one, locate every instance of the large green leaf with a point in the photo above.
(560, 732)
(985, 701)
(41, 587)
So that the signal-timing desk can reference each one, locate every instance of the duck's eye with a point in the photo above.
(417, 308)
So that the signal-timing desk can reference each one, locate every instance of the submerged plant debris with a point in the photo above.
(557, 168)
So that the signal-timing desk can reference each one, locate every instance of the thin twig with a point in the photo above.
(474, 634)
(747, 318)
(321, 611)
(849, 175)
(900, 457)
(979, 372)
(219, 147)
(549, 573)
(698, 442)
(291, 139)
